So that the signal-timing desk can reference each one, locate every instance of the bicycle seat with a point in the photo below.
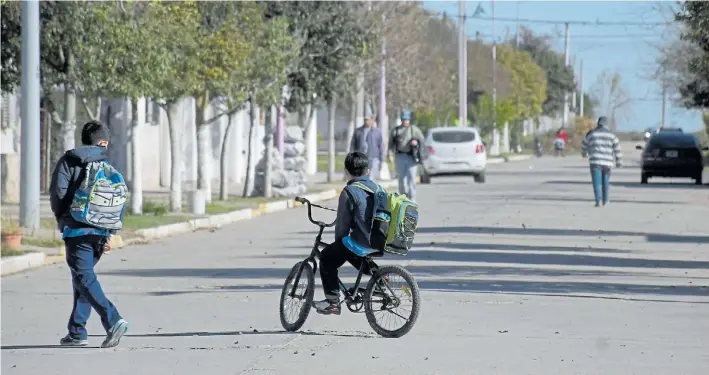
(359, 250)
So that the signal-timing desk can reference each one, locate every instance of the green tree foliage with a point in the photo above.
(560, 78)
(694, 16)
(528, 82)
(329, 35)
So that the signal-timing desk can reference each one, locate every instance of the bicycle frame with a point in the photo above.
(316, 252)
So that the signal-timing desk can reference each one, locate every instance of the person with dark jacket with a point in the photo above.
(369, 140)
(84, 244)
(354, 219)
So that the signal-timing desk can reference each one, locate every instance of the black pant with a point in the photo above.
(332, 258)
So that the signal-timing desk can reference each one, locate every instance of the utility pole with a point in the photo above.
(566, 64)
(384, 172)
(462, 67)
(581, 95)
(494, 71)
(29, 162)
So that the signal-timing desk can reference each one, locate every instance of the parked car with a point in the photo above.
(672, 154)
(454, 151)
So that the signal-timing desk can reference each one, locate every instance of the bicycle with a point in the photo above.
(377, 297)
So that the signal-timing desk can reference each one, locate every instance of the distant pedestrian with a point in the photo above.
(603, 150)
(84, 172)
(369, 140)
(405, 142)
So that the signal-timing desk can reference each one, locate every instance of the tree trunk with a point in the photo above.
(250, 165)
(203, 132)
(223, 174)
(136, 191)
(174, 119)
(68, 130)
(331, 109)
(311, 145)
(268, 140)
(352, 123)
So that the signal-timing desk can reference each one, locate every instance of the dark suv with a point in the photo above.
(672, 154)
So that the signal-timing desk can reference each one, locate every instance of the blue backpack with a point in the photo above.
(100, 199)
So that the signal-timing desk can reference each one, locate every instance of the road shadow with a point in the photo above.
(522, 231)
(586, 200)
(652, 185)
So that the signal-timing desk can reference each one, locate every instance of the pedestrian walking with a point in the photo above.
(87, 197)
(369, 140)
(405, 142)
(603, 150)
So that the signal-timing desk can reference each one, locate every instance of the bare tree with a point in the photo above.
(612, 97)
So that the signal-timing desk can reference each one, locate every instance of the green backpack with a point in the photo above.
(395, 221)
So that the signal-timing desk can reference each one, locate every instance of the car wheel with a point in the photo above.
(479, 177)
(698, 179)
(643, 178)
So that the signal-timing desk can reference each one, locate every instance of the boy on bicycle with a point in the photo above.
(354, 219)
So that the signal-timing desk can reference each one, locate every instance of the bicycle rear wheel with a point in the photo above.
(392, 296)
(294, 308)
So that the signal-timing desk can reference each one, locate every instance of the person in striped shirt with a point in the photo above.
(603, 150)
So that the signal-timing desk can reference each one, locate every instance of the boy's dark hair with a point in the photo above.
(94, 132)
(356, 163)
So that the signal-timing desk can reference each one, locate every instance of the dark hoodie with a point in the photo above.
(66, 178)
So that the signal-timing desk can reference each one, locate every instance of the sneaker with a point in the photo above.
(606, 203)
(598, 204)
(71, 341)
(115, 333)
(326, 307)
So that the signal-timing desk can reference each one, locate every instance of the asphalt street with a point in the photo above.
(520, 275)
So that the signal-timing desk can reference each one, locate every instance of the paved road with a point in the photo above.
(520, 276)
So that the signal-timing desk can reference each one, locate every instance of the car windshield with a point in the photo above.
(674, 140)
(453, 136)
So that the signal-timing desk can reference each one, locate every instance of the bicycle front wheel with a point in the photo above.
(392, 301)
(295, 306)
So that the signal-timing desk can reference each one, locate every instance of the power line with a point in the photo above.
(597, 36)
(555, 22)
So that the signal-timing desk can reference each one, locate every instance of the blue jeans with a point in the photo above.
(374, 168)
(407, 169)
(82, 254)
(600, 176)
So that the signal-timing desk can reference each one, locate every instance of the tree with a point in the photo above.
(560, 77)
(177, 31)
(329, 35)
(225, 45)
(610, 92)
(62, 32)
(694, 16)
(119, 68)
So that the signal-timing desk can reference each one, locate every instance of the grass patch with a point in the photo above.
(5, 252)
(135, 222)
(340, 163)
(42, 242)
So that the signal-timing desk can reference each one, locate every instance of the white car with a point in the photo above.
(453, 151)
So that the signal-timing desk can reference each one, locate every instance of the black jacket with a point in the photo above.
(67, 177)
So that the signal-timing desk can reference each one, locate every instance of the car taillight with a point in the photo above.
(479, 149)
(431, 150)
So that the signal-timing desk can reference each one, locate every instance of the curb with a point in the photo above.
(11, 265)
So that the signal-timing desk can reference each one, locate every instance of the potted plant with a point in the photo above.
(11, 234)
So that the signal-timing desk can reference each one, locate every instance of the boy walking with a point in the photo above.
(85, 244)
(354, 219)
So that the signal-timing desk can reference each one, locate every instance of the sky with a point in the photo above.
(625, 49)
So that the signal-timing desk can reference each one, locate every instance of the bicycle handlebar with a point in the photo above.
(310, 212)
